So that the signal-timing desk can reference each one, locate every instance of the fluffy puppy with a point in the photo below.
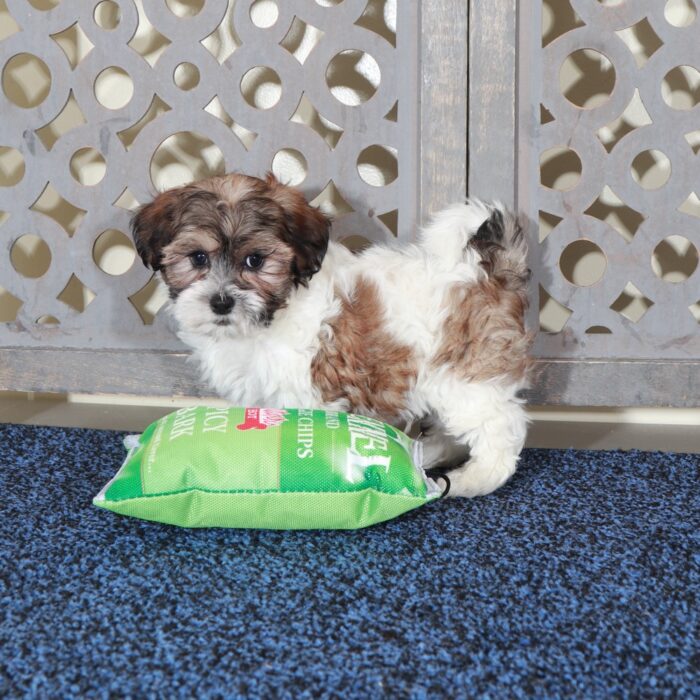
(277, 315)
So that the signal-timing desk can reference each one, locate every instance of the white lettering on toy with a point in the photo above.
(216, 420)
(305, 434)
(183, 423)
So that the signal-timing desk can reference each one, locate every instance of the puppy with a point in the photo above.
(276, 315)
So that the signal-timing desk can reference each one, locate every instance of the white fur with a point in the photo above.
(271, 366)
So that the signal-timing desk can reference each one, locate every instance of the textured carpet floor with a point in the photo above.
(580, 578)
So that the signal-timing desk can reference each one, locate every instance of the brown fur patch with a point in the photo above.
(177, 269)
(156, 224)
(484, 336)
(308, 227)
(360, 362)
(235, 208)
(272, 281)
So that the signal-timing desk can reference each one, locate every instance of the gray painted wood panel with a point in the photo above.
(334, 101)
(492, 100)
(105, 347)
(91, 371)
(617, 382)
(602, 355)
(443, 103)
(448, 56)
(562, 382)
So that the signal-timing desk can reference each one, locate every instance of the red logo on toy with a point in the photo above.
(262, 418)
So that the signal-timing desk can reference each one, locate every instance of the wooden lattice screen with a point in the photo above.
(585, 115)
(368, 108)
(363, 103)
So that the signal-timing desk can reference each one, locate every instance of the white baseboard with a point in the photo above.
(667, 430)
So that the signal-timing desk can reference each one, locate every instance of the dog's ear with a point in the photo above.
(155, 224)
(308, 228)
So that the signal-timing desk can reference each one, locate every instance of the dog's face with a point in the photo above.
(231, 249)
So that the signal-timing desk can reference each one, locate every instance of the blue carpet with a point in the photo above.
(579, 578)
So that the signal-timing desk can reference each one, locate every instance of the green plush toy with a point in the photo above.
(268, 468)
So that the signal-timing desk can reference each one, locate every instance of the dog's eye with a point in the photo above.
(254, 261)
(199, 259)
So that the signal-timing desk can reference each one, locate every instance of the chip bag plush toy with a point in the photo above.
(268, 468)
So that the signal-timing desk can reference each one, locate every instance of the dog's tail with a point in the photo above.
(488, 231)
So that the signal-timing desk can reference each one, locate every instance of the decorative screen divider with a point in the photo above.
(361, 103)
(585, 115)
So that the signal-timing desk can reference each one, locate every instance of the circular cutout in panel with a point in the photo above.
(184, 157)
(30, 256)
(113, 252)
(107, 14)
(114, 88)
(680, 87)
(87, 166)
(560, 168)
(185, 8)
(44, 5)
(261, 87)
(598, 330)
(186, 76)
(378, 165)
(352, 77)
(587, 78)
(149, 299)
(583, 263)
(553, 314)
(11, 166)
(264, 13)
(47, 320)
(674, 259)
(356, 243)
(328, 3)
(9, 306)
(651, 169)
(26, 80)
(290, 166)
(680, 13)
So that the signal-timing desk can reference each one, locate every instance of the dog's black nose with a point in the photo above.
(221, 303)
